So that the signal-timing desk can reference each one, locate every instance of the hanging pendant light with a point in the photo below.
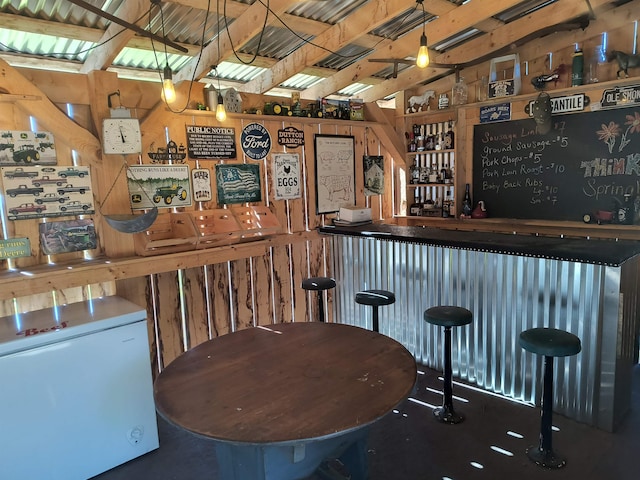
(422, 61)
(168, 90)
(221, 112)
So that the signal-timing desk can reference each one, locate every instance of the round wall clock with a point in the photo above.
(232, 101)
(121, 135)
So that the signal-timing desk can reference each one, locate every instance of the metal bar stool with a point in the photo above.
(319, 284)
(375, 298)
(551, 343)
(447, 317)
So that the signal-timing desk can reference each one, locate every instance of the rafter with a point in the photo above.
(456, 20)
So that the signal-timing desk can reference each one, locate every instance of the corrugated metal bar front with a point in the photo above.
(507, 294)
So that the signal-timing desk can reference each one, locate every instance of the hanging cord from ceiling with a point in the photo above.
(306, 41)
(195, 68)
(226, 25)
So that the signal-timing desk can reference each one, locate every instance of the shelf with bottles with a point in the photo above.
(431, 159)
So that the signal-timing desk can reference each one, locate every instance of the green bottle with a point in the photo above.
(577, 67)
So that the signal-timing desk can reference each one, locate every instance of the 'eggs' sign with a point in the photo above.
(256, 141)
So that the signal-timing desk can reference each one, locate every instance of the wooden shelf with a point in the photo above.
(280, 118)
(78, 273)
(430, 152)
(416, 185)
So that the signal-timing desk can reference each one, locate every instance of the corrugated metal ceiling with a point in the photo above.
(185, 25)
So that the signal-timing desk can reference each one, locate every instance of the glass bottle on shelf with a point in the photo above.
(415, 209)
(446, 205)
(444, 173)
(430, 141)
(428, 205)
(412, 142)
(449, 138)
(459, 91)
(433, 172)
(466, 202)
(424, 174)
(415, 172)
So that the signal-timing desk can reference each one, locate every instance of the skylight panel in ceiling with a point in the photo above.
(43, 45)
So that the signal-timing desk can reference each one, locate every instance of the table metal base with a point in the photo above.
(293, 462)
(445, 414)
(545, 458)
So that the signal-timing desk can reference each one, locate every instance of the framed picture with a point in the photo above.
(335, 172)
(238, 183)
(373, 174)
(65, 237)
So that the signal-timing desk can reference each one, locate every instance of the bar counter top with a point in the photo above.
(596, 251)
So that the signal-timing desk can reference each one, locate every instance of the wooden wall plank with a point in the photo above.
(282, 284)
(300, 271)
(242, 296)
(219, 298)
(196, 306)
(169, 317)
(263, 290)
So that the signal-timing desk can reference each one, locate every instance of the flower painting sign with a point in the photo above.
(613, 132)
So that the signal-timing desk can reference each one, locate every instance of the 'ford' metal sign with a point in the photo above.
(256, 141)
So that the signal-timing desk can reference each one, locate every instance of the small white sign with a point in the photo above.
(201, 179)
(286, 176)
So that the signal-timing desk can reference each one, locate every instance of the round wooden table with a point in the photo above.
(279, 400)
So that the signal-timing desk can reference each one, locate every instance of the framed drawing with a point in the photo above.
(335, 172)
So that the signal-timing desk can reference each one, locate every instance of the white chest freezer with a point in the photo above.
(76, 394)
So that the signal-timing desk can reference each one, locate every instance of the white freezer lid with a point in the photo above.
(50, 325)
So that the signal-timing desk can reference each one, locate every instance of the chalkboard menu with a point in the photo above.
(587, 162)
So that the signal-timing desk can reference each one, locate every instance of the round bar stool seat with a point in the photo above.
(375, 298)
(448, 316)
(319, 284)
(551, 343)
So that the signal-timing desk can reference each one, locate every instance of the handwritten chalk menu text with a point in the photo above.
(587, 162)
(213, 143)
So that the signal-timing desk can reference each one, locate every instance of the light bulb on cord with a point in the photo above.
(422, 61)
(168, 90)
(221, 112)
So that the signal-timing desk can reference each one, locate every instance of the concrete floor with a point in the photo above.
(409, 444)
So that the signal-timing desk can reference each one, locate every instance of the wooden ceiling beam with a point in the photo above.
(456, 20)
(334, 38)
(496, 42)
(248, 25)
(115, 37)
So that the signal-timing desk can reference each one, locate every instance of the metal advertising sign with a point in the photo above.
(567, 103)
(256, 141)
(286, 175)
(238, 183)
(290, 137)
(15, 247)
(495, 113)
(616, 97)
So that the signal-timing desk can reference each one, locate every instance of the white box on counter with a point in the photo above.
(355, 214)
